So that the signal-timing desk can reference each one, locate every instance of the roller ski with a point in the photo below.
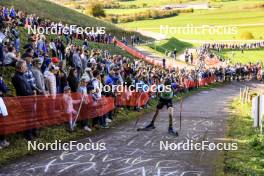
(147, 128)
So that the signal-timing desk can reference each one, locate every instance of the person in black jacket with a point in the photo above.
(73, 80)
(1, 55)
(23, 88)
(175, 53)
(20, 82)
(29, 53)
(2, 24)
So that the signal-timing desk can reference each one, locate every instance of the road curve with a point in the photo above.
(132, 153)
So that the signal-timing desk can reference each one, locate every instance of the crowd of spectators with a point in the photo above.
(226, 71)
(231, 46)
(50, 66)
(188, 56)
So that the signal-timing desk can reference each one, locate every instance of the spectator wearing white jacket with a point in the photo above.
(3, 110)
(3, 113)
(97, 85)
(50, 80)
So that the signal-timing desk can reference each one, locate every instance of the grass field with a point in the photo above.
(170, 45)
(245, 57)
(244, 15)
(231, 13)
(248, 159)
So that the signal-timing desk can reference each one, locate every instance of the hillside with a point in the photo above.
(241, 15)
(7, 72)
(54, 12)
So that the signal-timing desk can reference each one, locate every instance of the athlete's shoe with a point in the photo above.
(108, 120)
(172, 132)
(104, 126)
(86, 128)
(4, 144)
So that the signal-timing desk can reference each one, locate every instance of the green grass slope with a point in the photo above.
(170, 45)
(246, 16)
(248, 159)
(55, 12)
(247, 56)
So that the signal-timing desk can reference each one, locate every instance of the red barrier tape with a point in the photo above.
(42, 111)
(202, 82)
(134, 99)
(137, 54)
(212, 62)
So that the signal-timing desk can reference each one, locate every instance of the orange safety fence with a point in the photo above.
(137, 54)
(40, 111)
(206, 81)
(189, 83)
(123, 98)
(139, 99)
(132, 98)
(203, 82)
(212, 62)
(129, 50)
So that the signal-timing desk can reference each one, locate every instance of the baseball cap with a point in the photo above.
(55, 60)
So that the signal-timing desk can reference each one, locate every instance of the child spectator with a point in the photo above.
(69, 106)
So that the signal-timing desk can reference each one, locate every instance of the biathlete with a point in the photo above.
(165, 99)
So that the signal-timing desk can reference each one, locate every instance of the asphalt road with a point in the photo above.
(132, 153)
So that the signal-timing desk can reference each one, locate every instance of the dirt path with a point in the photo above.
(133, 153)
(179, 62)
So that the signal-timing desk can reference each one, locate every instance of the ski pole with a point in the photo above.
(79, 110)
(138, 105)
(181, 112)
